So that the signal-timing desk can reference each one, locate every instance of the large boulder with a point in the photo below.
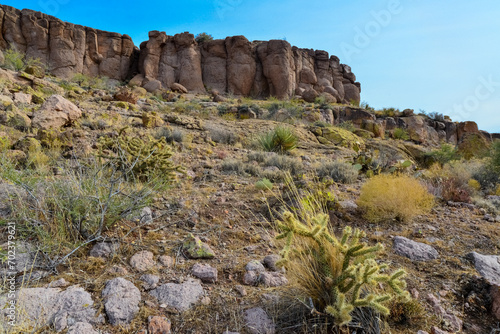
(278, 67)
(213, 61)
(241, 66)
(55, 113)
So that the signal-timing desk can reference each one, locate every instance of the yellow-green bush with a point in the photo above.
(386, 197)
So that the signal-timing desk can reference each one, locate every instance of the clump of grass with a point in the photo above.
(347, 125)
(339, 171)
(280, 140)
(400, 134)
(170, 135)
(385, 197)
(264, 184)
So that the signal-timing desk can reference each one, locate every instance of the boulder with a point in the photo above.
(413, 250)
(487, 265)
(152, 85)
(55, 113)
(278, 65)
(142, 261)
(126, 95)
(310, 95)
(241, 66)
(177, 87)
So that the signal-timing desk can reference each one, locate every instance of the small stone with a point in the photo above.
(142, 261)
(273, 279)
(166, 261)
(179, 296)
(121, 301)
(348, 205)
(436, 330)
(118, 270)
(250, 278)
(415, 251)
(255, 265)
(60, 283)
(270, 262)
(103, 249)
(150, 282)
(241, 290)
(205, 301)
(196, 249)
(82, 328)
(422, 332)
(159, 325)
(258, 322)
(205, 272)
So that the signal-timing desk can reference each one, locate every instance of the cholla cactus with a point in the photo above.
(143, 156)
(342, 267)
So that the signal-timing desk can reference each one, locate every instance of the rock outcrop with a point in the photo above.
(66, 48)
(234, 65)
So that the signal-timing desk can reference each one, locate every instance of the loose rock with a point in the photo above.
(205, 272)
(258, 322)
(121, 301)
(142, 261)
(179, 296)
(415, 251)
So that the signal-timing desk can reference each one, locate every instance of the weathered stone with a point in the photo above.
(159, 325)
(22, 98)
(495, 301)
(272, 279)
(205, 272)
(150, 282)
(51, 306)
(82, 328)
(196, 249)
(166, 261)
(121, 301)
(258, 322)
(26, 254)
(487, 265)
(104, 249)
(270, 262)
(142, 261)
(152, 85)
(60, 283)
(256, 266)
(179, 296)
(310, 95)
(415, 251)
(126, 95)
(251, 278)
(55, 113)
(177, 87)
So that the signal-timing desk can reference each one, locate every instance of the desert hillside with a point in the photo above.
(141, 198)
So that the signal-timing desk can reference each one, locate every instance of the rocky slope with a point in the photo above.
(234, 65)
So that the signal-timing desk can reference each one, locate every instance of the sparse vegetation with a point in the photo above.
(339, 171)
(203, 37)
(400, 134)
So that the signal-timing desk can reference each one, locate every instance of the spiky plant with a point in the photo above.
(339, 275)
(280, 140)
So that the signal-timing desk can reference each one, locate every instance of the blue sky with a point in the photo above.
(441, 56)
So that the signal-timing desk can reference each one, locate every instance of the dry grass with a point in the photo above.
(387, 197)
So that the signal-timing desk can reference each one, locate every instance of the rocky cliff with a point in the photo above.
(234, 65)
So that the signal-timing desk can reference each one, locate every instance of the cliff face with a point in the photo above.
(234, 65)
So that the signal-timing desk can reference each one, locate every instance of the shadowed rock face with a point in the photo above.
(234, 65)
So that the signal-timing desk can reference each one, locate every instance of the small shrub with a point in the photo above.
(400, 134)
(233, 166)
(264, 184)
(13, 60)
(406, 311)
(284, 163)
(347, 125)
(170, 135)
(339, 171)
(444, 155)
(280, 140)
(222, 136)
(386, 197)
(436, 116)
(203, 37)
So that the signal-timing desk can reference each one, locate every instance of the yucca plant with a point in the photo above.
(280, 140)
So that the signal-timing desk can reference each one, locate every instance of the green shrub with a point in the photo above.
(339, 171)
(203, 37)
(286, 164)
(347, 125)
(264, 184)
(401, 134)
(280, 140)
(444, 155)
(13, 60)
(386, 197)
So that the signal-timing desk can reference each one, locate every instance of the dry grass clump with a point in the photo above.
(386, 197)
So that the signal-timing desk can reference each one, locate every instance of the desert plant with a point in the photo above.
(284, 163)
(336, 274)
(13, 60)
(400, 134)
(385, 197)
(347, 125)
(280, 140)
(436, 116)
(264, 184)
(144, 156)
(203, 37)
(443, 155)
(170, 135)
(339, 171)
